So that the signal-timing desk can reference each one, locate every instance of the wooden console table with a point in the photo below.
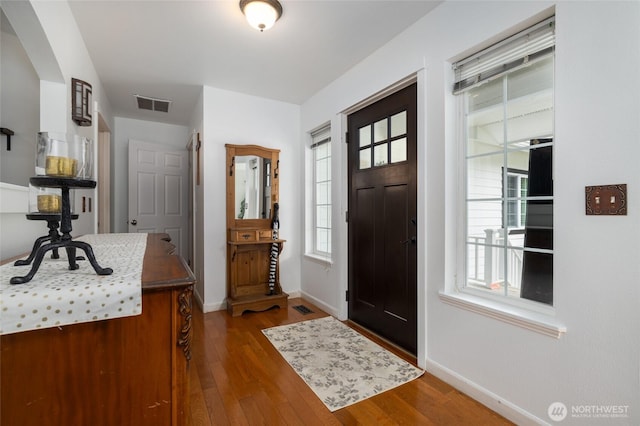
(124, 371)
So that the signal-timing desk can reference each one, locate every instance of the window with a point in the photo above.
(383, 142)
(506, 94)
(516, 196)
(321, 149)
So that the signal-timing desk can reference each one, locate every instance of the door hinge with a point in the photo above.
(346, 137)
(347, 295)
(346, 216)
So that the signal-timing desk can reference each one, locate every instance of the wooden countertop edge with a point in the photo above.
(161, 268)
(168, 270)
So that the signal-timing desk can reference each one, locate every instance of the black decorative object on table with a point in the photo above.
(65, 240)
(53, 222)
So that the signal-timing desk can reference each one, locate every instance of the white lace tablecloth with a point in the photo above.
(57, 296)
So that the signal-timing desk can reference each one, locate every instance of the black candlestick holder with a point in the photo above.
(53, 223)
(65, 240)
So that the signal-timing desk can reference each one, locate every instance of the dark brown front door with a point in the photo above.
(382, 218)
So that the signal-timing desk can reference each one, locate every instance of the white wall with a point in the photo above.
(516, 371)
(324, 281)
(18, 233)
(239, 119)
(71, 54)
(196, 124)
(19, 110)
(146, 131)
(53, 44)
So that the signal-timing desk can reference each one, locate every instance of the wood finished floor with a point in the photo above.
(238, 378)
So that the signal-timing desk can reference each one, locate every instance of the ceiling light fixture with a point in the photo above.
(261, 14)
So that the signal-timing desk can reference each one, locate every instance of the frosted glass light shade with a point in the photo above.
(261, 14)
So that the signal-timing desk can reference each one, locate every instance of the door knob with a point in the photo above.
(134, 222)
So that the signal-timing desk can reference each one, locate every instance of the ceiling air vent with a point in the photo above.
(152, 104)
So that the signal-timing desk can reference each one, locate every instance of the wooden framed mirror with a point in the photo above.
(252, 185)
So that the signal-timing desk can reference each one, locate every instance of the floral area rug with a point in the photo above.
(340, 365)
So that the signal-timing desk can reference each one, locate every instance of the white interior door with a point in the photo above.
(158, 191)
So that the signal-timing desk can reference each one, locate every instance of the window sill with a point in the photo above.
(15, 198)
(540, 323)
(318, 258)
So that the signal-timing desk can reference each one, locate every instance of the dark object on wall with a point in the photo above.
(9, 133)
(80, 102)
(606, 200)
(198, 146)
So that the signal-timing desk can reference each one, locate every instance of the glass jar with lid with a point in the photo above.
(64, 156)
(47, 200)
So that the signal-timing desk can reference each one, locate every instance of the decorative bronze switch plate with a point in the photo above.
(606, 200)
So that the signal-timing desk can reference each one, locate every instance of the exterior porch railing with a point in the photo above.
(486, 259)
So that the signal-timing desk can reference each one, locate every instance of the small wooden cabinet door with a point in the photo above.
(250, 269)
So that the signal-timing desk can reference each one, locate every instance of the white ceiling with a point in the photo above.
(169, 49)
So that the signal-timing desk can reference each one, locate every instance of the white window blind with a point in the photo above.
(518, 50)
(321, 136)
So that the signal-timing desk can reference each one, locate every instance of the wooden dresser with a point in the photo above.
(125, 371)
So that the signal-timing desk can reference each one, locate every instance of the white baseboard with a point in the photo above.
(198, 298)
(209, 307)
(496, 403)
(320, 304)
(294, 294)
(212, 307)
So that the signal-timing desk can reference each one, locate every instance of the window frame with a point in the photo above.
(520, 176)
(462, 274)
(464, 283)
(532, 316)
(321, 137)
(392, 134)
